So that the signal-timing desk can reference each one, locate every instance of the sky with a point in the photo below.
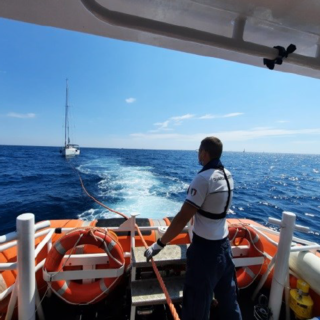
(129, 95)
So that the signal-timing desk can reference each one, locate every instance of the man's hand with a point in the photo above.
(154, 249)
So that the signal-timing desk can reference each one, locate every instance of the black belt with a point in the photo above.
(200, 240)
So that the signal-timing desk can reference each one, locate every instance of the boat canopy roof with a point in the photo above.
(242, 31)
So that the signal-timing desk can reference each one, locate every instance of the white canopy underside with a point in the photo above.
(242, 31)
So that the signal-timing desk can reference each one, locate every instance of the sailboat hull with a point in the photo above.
(70, 151)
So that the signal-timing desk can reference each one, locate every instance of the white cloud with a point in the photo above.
(240, 135)
(177, 121)
(213, 116)
(130, 100)
(160, 129)
(306, 142)
(184, 117)
(282, 121)
(235, 114)
(207, 116)
(21, 115)
(164, 126)
(257, 133)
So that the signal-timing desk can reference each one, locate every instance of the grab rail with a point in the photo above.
(14, 243)
(296, 227)
(296, 239)
(14, 234)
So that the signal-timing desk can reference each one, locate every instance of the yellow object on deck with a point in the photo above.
(300, 301)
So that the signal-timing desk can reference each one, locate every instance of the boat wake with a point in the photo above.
(130, 189)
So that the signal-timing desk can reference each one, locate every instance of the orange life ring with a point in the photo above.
(237, 235)
(79, 293)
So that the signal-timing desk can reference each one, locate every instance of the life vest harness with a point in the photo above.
(217, 216)
(72, 291)
(247, 274)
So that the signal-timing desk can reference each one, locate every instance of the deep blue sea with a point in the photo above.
(152, 183)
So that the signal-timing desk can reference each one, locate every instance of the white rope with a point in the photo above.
(257, 249)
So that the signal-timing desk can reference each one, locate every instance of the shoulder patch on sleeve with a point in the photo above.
(193, 191)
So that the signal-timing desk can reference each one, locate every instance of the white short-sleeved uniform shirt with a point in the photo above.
(208, 192)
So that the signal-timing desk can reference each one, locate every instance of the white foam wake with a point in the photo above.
(132, 189)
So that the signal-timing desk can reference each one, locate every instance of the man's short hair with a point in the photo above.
(213, 146)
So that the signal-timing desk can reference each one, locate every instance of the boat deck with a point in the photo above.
(117, 307)
(144, 293)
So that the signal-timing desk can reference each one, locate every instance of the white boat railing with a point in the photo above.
(308, 245)
(14, 235)
(280, 262)
(24, 238)
(26, 267)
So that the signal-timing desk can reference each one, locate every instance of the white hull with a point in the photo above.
(70, 151)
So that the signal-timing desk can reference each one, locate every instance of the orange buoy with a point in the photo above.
(84, 293)
(245, 234)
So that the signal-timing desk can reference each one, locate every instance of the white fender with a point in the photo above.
(307, 266)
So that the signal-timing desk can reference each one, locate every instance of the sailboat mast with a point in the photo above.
(69, 149)
(66, 124)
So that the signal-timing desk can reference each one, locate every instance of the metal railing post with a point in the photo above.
(26, 267)
(282, 264)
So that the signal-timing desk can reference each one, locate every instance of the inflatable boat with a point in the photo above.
(61, 268)
(83, 263)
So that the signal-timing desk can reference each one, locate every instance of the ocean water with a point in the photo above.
(152, 183)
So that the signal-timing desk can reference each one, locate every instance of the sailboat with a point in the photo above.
(258, 33)
(69, 149)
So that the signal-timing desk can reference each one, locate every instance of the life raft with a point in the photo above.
(74, 291)
(245, 235)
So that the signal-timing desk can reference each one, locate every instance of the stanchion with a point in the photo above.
(26, 268)
(282, 264)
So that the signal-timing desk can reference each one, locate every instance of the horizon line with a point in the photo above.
(147, 149)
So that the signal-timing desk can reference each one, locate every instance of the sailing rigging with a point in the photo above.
(69, 149)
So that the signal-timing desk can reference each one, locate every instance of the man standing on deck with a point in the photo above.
(210, 269)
